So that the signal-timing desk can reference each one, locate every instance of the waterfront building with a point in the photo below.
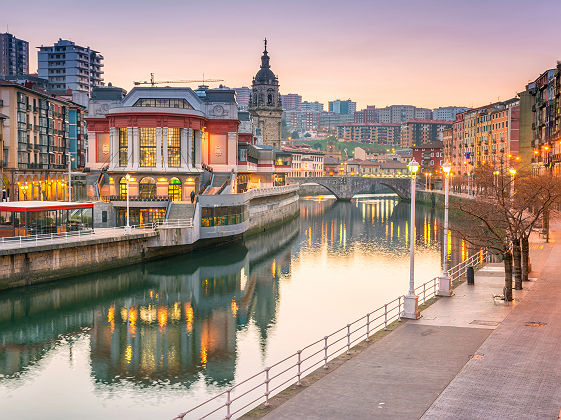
(375, 133)
(331, 166)
(161, 137)
(14, 56)
(430, 157)
(68, 66)
(447, 113)
(365, 116)
(291, 102)
(418, 132)
(305, 161)
(36, 141)
(485, 134)
(338, 106)
(393, 168)
(266, 104)
(396, 114)
(243, 95)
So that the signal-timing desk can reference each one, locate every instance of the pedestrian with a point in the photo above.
(192, 197)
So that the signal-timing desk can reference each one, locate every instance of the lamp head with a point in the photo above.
(447, 167)
(413, 166)
(512, 171)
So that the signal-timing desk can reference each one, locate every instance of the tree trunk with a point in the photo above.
(517, 264)
(508, 276)
(546, 224)
(525, 258)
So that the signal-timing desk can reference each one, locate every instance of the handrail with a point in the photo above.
(290, 370)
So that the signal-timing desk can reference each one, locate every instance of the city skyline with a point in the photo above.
(429, 55)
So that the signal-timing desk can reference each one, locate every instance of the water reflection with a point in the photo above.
(190, 323)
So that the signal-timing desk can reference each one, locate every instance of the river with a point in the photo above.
(151, 340)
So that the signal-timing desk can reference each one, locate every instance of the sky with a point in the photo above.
(426, 53)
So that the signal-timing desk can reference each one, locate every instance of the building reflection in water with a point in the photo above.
(177, 321)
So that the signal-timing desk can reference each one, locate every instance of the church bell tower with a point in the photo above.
(265, 104)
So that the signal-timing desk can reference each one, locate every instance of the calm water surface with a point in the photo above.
(151, 340)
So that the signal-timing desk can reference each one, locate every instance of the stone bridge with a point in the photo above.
(345, 187)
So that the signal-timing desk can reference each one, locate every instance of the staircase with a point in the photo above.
(180, 211)
(218, 181)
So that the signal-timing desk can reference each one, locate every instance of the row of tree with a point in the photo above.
(507, 206)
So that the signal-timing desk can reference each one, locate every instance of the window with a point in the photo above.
(193, 148)
(174, 147)
(147, 147)
(123, 188)
(164, 103)
(123, 146)
(174, 189)
(147, 189)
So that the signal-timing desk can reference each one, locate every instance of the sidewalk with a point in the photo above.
(469, 356)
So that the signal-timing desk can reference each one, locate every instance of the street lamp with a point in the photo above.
(445, 288)
(128, 226)
(411, 301)
(512, 172)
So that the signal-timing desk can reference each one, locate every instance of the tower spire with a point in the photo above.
(265, 46)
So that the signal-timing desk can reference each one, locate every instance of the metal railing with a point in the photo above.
(21, 241)
(274, 378)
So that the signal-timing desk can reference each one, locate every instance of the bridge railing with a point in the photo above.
(260, 387)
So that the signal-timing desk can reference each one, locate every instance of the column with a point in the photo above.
(158, 147)
(186, 138)
(135, 143)
(165, 150)
(113, 147)
(130, 148)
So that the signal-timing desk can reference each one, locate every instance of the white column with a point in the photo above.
(130, 148)
(165, 151)
(158, 147)
(411, 301)
(445, 288)
(186, 134)
(135, 143)
(113, 147)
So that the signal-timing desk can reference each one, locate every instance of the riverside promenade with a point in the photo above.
(470, 356)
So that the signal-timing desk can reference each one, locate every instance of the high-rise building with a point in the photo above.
(375, 133)
(14, 55)
(68, 66)
(367, 115)
(419, 132)
(242, 97)
(338, 106)
(291, 102)
(265, 105)
(447, 113)
(396, 114)
(311, 106)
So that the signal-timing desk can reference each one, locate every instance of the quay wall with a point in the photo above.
(37, 263)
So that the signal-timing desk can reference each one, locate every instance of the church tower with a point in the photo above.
(265, 104)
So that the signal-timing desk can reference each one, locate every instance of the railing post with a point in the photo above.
(385, 317)
(266, 404)
(299, 352)
(367, 327)
(399, 309)
(348, 339)
(325, 352)
(424, 292)
(228, 402)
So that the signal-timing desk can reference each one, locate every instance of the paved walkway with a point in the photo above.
(470, 356)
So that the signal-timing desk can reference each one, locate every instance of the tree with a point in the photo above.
(295, 135)
(307, 135)
(504, 213)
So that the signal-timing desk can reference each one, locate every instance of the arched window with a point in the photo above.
(123, 188)
(174, 189)
(147, 189)
(147, 147)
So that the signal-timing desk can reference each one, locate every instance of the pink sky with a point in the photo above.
(427, 53)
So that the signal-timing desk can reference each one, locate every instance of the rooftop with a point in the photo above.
(42, 205)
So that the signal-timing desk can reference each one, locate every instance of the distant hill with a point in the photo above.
(349, 146)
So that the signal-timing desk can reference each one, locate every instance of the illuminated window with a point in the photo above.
(174, 147)
(147, 189)
(123, 188)
(123, 147)
(164, 103)
(174, 189)
(193, 148)
(147, 146)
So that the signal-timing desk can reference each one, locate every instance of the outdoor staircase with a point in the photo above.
(218, 181)
(180, 210)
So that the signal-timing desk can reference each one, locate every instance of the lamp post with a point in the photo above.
(512, 173)
(128, 226)
(445, 288)
(411, 301)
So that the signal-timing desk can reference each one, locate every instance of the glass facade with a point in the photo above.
(140, 216)
(23, 223)
(223, 216)
(123, 146)
(174, 189)
(147, 147)
(174, 147)
(164, 103)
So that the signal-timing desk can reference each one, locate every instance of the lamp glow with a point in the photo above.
(413, 166)
(512, 171)
(447, 167)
